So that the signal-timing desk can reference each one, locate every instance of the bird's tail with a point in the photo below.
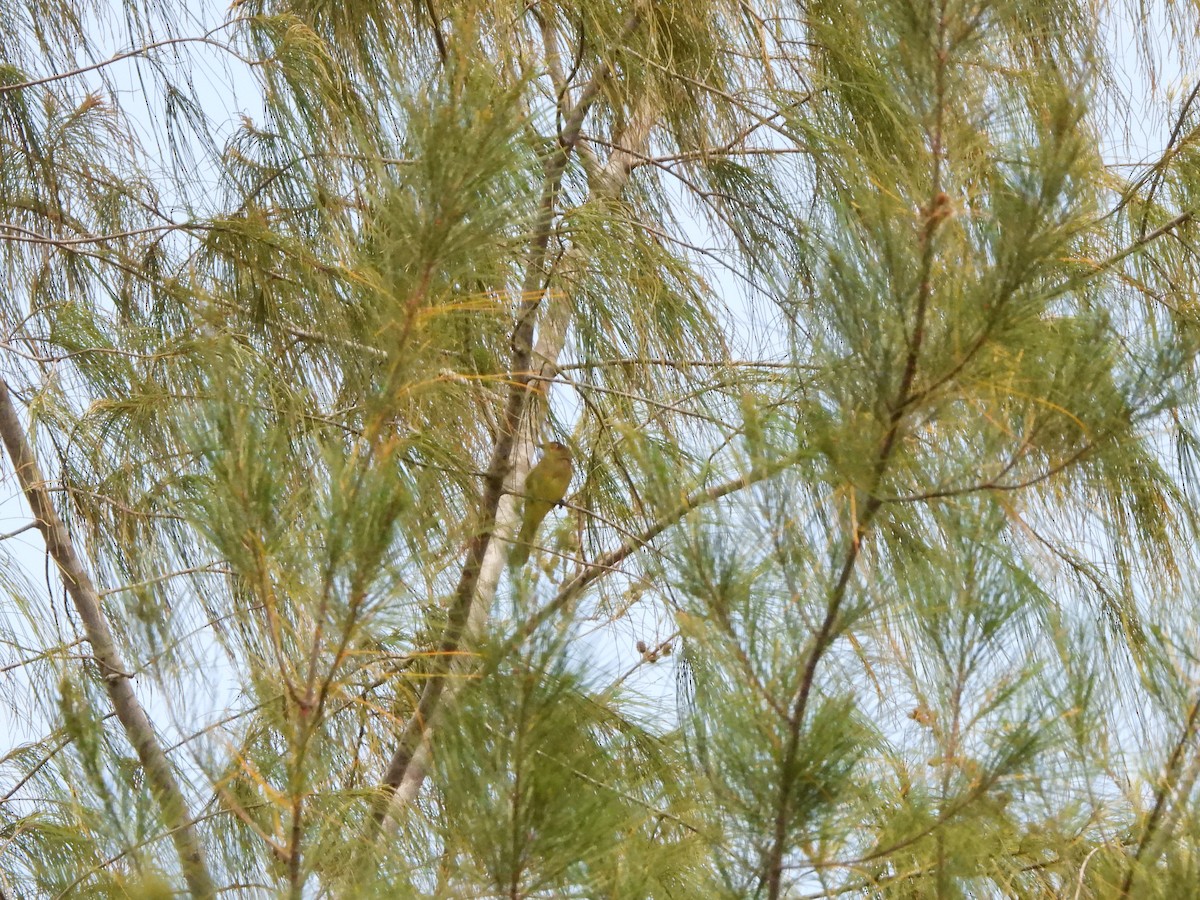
(519, 555)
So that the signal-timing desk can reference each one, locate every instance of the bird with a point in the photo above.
(545, 486)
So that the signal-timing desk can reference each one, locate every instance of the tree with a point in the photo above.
(877, 370)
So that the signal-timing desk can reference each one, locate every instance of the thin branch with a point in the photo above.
(41, 763)
(209, 568)
(436, 27)
(206, 38)
(21, 234)
(21, 530)
(52, 652)
(683, 364)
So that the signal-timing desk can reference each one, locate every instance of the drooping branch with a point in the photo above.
(119, 683)
(206, 39)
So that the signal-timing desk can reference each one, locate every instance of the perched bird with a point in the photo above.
(545, 486)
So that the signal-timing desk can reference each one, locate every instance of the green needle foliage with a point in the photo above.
(871, 327)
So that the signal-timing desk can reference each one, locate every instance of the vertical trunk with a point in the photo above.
(138, 728)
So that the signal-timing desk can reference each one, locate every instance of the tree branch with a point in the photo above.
(532, 290)
(78, 583)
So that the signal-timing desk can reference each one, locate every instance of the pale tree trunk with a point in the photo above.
(609, 181)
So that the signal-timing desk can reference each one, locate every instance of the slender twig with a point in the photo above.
(206, 38)
(206, 569)
(41, 763)
(684, 363)
(58, 651)
(1157, 173)
(28, 235)
(24, 528)
(436, 27)
(1103, 266)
